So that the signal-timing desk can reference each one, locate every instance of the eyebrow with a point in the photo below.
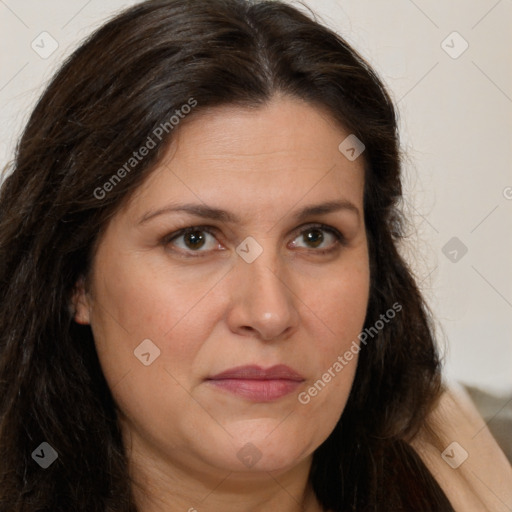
(207, 212)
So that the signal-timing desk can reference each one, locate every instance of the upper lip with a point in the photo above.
(254, 372)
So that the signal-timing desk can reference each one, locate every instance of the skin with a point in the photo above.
(292, 305)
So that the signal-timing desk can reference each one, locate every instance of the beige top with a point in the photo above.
(467, 462)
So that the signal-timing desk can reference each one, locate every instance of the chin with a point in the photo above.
(250, 461)
(269, 450)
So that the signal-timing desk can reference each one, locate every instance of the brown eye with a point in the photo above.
(194, 239)
(319, 237)
(313, 237)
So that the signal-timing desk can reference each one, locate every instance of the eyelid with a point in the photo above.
(183, 231)
(323, 227)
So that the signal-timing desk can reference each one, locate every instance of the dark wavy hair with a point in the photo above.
(128, 78)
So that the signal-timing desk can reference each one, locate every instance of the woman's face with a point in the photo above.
(262, 280)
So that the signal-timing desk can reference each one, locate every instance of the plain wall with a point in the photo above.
(456, 117)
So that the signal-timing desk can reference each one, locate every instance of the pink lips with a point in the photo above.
(258, 384)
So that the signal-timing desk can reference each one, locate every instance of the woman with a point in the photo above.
(202, 302)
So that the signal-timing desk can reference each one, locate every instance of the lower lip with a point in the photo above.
(258, 390)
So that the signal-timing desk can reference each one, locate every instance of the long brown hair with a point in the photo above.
(117, 88)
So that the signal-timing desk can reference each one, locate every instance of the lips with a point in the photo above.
(258, 384)
(253, 372)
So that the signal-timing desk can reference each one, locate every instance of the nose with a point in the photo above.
(262, 302)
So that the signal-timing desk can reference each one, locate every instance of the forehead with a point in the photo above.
(269, 156)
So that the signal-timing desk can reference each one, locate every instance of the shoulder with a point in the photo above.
(463, 457)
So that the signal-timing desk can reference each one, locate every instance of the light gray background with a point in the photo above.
(455, 116)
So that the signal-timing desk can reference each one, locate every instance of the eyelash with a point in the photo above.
(340, 239)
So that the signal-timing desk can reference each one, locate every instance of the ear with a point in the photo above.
(81, 303)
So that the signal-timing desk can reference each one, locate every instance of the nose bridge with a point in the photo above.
(264, 303)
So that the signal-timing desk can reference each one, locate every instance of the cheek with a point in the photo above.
(134, 302)
(339, 307)
(147, 334)
(339, 301)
